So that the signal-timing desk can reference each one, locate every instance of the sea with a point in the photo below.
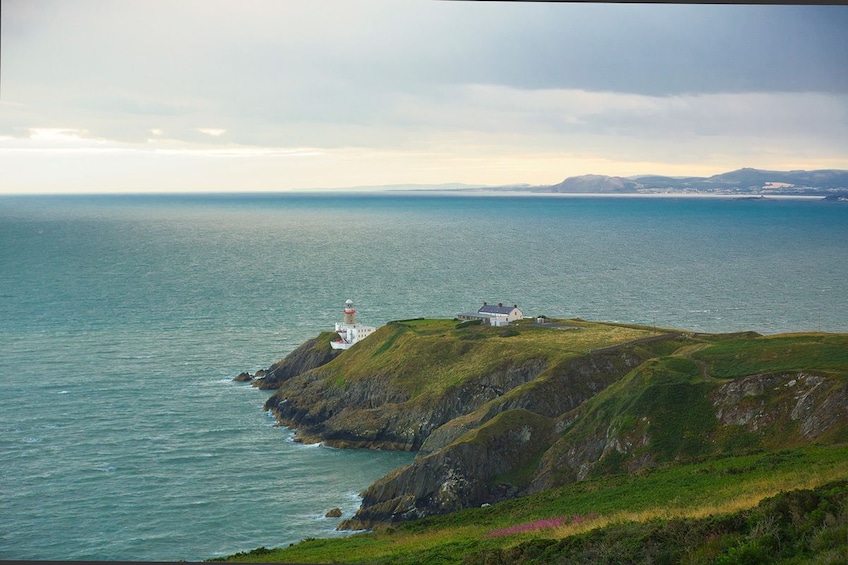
(124, 318)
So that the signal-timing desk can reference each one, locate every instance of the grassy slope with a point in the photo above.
(432, 356)
(730, 358)
(700, 472)
(718, 487)
(667, 398)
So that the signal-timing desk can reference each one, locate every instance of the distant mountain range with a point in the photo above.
(742, 181)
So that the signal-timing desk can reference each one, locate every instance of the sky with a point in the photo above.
(101, 96)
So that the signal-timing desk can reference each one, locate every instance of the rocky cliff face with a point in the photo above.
(515, 422)
(377, 414)
(563, 388)
(764, 411)
(505, 436)
(811, 405)
(462, 475)
(311, 354)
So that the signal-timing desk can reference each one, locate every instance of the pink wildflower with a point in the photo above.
(541, 525)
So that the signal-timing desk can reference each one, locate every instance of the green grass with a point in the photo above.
(431, 356)
(692, 466)
(664, 495)
(730, 358)
(800, 526)
(667, 400)
(664, 399)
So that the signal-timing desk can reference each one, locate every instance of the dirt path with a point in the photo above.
(687, 351)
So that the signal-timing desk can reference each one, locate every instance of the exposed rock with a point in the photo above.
(526, 423)
(827, 411)
(334, 513)
(458, 473)
(463, 475)
(740, 402)
(243, 377)
(311, 354)
(564, 388)
(773, 408)
(815, 402)
(374, 413)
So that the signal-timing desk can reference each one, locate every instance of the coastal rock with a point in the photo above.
(453, 471)
(769, 410)
(243, 377)
(463, 475)
(311, 354)
(816, 403)
(492, 421)
(473, 455)
(377, 414)
(565, 387)
(334, 513)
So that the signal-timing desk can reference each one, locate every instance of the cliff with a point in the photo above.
(311, 354)
(496, 413)
(409, 379)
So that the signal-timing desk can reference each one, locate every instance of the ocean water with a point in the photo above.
(124, 318)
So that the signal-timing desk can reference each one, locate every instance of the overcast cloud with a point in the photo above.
(101, 95)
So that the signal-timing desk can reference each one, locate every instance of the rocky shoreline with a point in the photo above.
(528, 424)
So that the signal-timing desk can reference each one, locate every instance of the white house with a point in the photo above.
(349, 330)
(499, 315)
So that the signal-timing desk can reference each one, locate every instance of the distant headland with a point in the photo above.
(747, 181)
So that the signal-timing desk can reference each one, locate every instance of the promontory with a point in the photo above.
(496, 413)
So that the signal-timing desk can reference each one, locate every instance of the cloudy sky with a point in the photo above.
(254, 95)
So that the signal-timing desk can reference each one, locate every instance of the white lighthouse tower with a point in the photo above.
(349, 330)
(349, 313)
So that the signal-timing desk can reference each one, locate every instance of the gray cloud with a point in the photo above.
(681, 49)
(407, 75)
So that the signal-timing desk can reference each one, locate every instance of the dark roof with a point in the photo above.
(492, 309)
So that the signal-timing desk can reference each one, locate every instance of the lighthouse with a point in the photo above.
(349, 330)
(349, 313)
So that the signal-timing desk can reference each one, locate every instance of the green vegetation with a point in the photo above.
(611, 442)
(431, 356)
(717, 511)
(731, 358)
(798, 526)
(668, 399)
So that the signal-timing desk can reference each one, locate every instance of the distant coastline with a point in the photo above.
(742, 183)
(529, 193)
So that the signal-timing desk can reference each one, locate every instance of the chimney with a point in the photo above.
(515, 305)
(500, 304)
(484, 303)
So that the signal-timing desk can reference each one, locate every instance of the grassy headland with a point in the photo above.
(576, 436)
(429, 356)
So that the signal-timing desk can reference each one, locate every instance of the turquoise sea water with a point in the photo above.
(124, 318)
